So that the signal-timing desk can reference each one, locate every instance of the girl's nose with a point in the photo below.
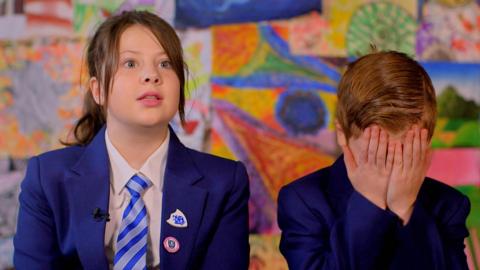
(151, 79)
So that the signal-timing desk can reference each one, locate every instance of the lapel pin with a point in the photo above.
(178, 219)
(171, 244)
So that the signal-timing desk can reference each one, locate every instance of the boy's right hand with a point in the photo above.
(370, 166)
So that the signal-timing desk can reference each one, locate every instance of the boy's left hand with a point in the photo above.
(410, 166)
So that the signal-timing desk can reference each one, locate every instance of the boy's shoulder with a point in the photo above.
(438, 196)
(313, 181)
(328, 179)
(314, 188)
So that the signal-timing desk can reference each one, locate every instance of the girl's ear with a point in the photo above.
(341, 139)
(96, 91)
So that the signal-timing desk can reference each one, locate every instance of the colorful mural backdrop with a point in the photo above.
(261, 88)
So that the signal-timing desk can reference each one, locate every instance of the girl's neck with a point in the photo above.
(136, 145)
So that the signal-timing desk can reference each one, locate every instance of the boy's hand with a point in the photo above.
(370, 173)
(409, 169)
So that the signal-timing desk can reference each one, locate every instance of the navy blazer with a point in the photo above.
(326, 224)
(56, 229)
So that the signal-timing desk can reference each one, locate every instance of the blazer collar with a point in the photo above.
(87, 183)
(180, 162)
(180, 192)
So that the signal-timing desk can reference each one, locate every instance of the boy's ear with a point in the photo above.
(96, 91)
(341, 139)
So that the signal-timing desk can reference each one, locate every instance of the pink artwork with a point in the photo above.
(49, 17)
(309, 36)
(456, 166)
(448, 33)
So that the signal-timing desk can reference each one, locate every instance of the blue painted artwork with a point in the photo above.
(203, 13)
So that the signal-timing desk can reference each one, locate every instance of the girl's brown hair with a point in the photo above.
(388, 89)
(102, 61)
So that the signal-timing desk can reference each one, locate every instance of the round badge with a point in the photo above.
(171, 244)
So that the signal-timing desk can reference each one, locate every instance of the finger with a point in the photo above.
(373, 145)
(390, 156)
(416, 147)
(348, 158)
(424, 143)
(398, 158)
(382, 149)
(408, 149)
(364, 141)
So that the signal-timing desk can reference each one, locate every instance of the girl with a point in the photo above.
(127, 194)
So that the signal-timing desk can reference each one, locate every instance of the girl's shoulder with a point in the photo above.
(214, 166)
(67, 155)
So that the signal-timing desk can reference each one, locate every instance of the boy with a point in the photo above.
(374, 208)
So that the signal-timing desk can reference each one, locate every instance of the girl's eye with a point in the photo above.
(129, 64)
(166, 64)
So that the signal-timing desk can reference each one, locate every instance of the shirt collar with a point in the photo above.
(153, 168)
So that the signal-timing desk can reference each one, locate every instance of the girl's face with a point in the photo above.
(145, 89)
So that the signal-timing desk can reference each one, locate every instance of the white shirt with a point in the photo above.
(120, 173)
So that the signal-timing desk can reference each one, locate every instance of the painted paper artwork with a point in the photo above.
(385, 25)
(49, 18)
(309, 35)
(197, 47)
(88, 14)
(40, 95)
(11, 174)
(264, 253)
(450, 32)
(261, 88)
(271, 107)
(458, 96)
(204, 13)
(356, 24)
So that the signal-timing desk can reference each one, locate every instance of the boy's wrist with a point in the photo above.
(379, 202)
(403, 213)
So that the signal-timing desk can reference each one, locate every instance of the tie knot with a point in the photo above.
(137, 185)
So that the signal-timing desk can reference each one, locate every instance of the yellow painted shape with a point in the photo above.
(219, 148)
(330, 101)
(256, 102)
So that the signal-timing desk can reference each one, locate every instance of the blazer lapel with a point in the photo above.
(87, 185)
(180, 193)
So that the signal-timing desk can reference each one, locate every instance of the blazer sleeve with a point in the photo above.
(35, 243)
(455, 233)
(229, 248)
(440, 242)
(311, 239)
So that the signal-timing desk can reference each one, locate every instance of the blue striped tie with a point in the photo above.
(131, 249)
